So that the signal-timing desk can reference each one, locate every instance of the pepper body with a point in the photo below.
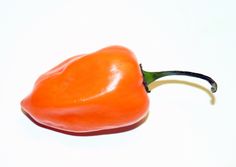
(88, 93)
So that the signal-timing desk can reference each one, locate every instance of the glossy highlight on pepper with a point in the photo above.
(98, 93)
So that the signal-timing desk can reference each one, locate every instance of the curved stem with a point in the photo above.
(150, 77)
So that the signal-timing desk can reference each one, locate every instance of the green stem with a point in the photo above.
(150, 77)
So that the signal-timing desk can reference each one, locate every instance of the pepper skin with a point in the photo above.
(87, 93)
(105, 91)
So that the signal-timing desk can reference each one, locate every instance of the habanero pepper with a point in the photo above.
(98, 93)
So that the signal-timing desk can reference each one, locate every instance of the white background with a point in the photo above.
(183, 129)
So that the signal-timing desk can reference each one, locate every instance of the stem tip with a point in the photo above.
(214, 87)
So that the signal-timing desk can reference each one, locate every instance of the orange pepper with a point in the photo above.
(97, 93)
